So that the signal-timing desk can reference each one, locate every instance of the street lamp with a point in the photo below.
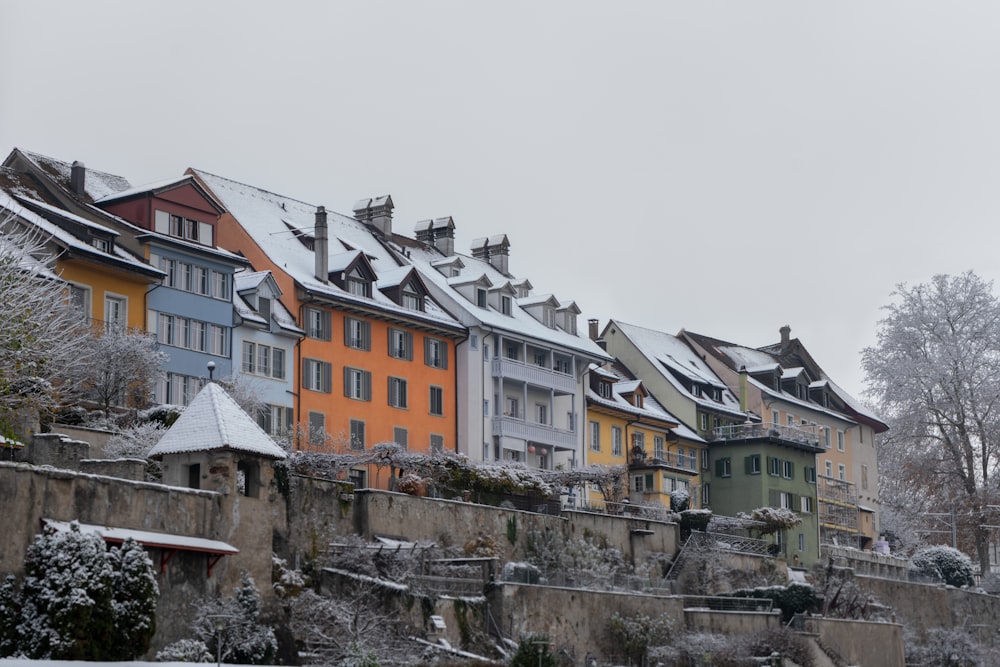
(211, 370)
(220, 621)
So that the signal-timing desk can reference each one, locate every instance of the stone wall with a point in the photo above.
(457, 523)
(861, 642)
(133, 469)
(53, 449)
(319, 512)
(923, 606)
(867, 562)
(576, 622)
(97, 438)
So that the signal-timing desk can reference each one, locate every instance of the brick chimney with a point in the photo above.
(592, 329)
(444, 235)
(785, 332)
(78, 178)
(321, 246)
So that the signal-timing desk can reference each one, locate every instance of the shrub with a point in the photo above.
(185, 650)
(944, 563)
(533, 650)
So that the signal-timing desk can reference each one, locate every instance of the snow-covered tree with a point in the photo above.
(134, 600)
(934, 373)
(239, 633)
(135, 441)
(125, 365)
(40, 329)
(10, 614)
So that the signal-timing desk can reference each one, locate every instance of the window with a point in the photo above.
(474, 341)
(400, 344)
(317, 323)
(278, 363)
(639, 441)
(549, 317)
(486, 407)
(595, 436)
(562, 365)
(220, 286)
(397, 392)
(829, 469)
(505, 305)
(773, 466)
(178, 389)
(703, 421)
(842, 471)
(513, 408)
(724, 467)
(704, 459)
(79, 299)
(357, 284)
(802, 540)
(616, 441)
(400, 436)
(790, 420)
(826, 437)
(115, 312)
(412, 301)
(317, 428)
(864, 476)
(437, 443)
(357, 333)
(806, 504)
(512, 351)
(357, 384)
(437, 401)
(435, 353)
(357, 434)
(249, 357)
(199, 280)
(571, 422)
(480, 297)
(198, 336)
(165, 329)
(218, 340)
(261, 359)
(541, 413)
(604, 389)
(752, 464)
(540, 359)
(642, 483)
(681, 456)
(317, 375)
(705, 496)
(810, 474)
(784, 500)
(840, 441)
(787, 469)
(658, 446)
(275, 419)
(264, 308)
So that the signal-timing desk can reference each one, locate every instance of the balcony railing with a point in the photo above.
(801, 435)
(539, 376)
(540, 433)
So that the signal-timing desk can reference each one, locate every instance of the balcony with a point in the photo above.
(803, 436)
(539, 376)
(512, 427)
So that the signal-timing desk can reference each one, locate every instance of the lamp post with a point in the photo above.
(219, 621)
(211, 370)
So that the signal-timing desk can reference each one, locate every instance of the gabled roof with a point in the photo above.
(674, 359)
(97, 185)
(277, 223)
(161, 186)
(214, 421)
(539, 300)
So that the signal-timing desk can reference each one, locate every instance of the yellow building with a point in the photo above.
(626, 426)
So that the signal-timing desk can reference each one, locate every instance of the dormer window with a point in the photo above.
(264, 307)
(505, 304)
(695, 390)
(549, 317)
(454, 271)
(357, 284)
(480, 297)
(604, 389)
(716, 394)
(104, 245)
(637, 400)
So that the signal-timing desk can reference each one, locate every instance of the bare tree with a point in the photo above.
(125, 365)
(935, 374)
(40, 341)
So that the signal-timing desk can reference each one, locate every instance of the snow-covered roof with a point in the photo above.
(149, 538)
(650, 407)
(276, 222)
(97, 185)
(213, 421)
(249, 280)
(116, 255)
(673, 355)
(140, 189)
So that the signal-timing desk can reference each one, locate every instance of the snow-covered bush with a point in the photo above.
(185, 650)
(633, 635)
(944, 563)
(769, 520)
(945, 647)
(533, 650)
(135, 441)
(10, 612)
(80, 601)
(679, 500)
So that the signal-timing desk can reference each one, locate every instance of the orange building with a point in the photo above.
(377, 362)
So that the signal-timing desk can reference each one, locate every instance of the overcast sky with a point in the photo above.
(724, 167)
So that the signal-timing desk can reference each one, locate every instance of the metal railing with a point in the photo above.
(540, 433)
(540, 376)
(714, 603)
(803, 435)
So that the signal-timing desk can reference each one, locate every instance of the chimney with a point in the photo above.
(424, 231)
(479, 250)
(78, 178)
(377, 213)
(498, 252)
(592, 329)
(785, 335)
(444, 236)
(321, 246)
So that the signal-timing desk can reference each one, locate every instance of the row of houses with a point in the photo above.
(355, 332)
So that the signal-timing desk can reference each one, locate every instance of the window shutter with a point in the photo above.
(392, 342)
(719, 470)
(773, 499)
(161, 222)
(770, 466)
(748, 465)
(409, 345)
(327, 377)
(791, 470)
(427, 351)
(347, 381)
(366, 335)
(366, 380)
(443, 346)
(205, 234)
(347, 331)
(307, 373)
